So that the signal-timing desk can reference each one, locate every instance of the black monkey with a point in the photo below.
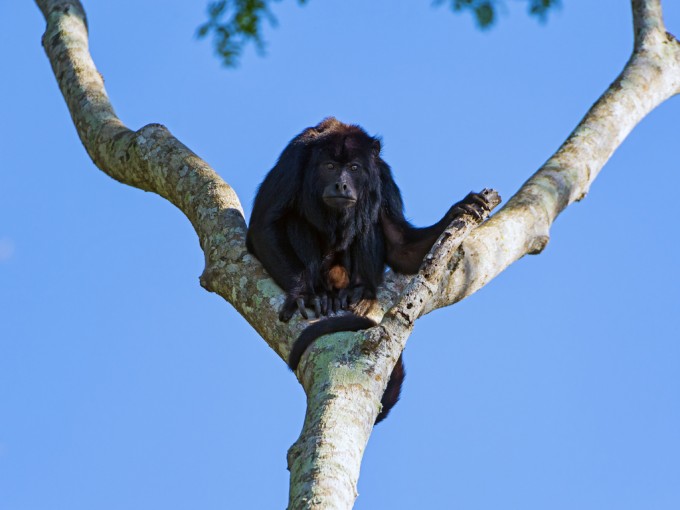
(326, 220)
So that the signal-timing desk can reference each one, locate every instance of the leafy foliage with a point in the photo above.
(486, 11)
(235, 23)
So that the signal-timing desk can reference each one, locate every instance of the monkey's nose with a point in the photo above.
(340, 186)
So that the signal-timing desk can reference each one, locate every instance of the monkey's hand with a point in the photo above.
(351, 297)
(297, 300)
(322, 303)
(477, 205)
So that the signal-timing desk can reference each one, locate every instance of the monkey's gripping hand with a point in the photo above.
(323, 303)
(333, 293)
(302, 299)
(477, 205)
(299, 299)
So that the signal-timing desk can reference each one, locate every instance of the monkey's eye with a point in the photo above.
(330, 166)
(354, 167)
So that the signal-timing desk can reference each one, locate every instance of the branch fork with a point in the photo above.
(346, 373)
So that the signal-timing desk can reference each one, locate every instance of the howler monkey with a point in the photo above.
(326, 220)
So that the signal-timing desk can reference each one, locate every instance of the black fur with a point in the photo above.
(326, 220)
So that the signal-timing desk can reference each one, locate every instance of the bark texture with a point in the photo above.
(344, 375)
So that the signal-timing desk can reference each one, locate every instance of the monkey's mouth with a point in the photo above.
(339, 202)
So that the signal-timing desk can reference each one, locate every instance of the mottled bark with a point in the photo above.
(344, 374)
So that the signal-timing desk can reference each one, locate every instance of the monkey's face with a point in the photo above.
(340, 182)
(343, 171)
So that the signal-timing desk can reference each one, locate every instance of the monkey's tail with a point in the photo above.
(349, 323)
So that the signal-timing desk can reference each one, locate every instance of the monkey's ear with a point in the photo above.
(376, 147)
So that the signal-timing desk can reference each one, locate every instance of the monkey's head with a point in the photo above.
(343, 166)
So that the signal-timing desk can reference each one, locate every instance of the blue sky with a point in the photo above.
(124, 385)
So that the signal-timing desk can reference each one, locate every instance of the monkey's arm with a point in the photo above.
(275, 247)
(290, 252)
(407, 245)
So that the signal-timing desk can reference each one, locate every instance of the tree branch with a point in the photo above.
(152, 159)
(647, 20)
(651, 76)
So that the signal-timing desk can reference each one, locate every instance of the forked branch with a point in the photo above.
(325, 460)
